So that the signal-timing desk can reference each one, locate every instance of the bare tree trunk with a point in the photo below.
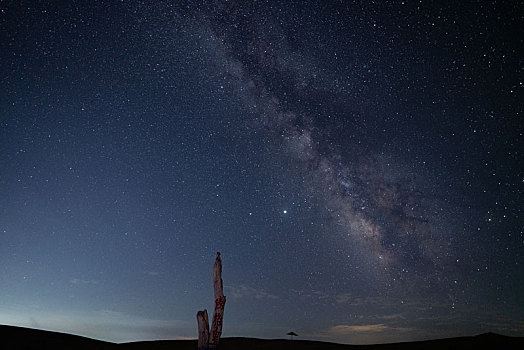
(203, 330)
(206, 342)
(220, 302)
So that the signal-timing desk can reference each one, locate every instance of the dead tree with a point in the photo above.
(203, 330)
(205, 340)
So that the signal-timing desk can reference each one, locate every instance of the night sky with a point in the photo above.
(358, 164)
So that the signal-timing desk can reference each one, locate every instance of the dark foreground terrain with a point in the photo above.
(15, 338)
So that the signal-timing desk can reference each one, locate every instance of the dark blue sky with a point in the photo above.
(358, 164)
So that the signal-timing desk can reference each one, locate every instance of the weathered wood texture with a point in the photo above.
(220, 302)
(203, 330)
(205, 339)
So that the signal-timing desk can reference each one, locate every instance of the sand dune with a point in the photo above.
(15, 338)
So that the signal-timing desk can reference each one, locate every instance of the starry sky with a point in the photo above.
(359, 165)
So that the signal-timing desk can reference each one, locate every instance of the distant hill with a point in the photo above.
(18, 338)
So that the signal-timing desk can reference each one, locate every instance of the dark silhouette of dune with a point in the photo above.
(483, 341)
(18, 338)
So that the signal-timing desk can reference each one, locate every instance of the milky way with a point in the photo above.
(378, 208)
(357, 164)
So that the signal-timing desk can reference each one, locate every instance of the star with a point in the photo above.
(194, 117)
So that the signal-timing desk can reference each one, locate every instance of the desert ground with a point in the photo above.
(17, 338)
